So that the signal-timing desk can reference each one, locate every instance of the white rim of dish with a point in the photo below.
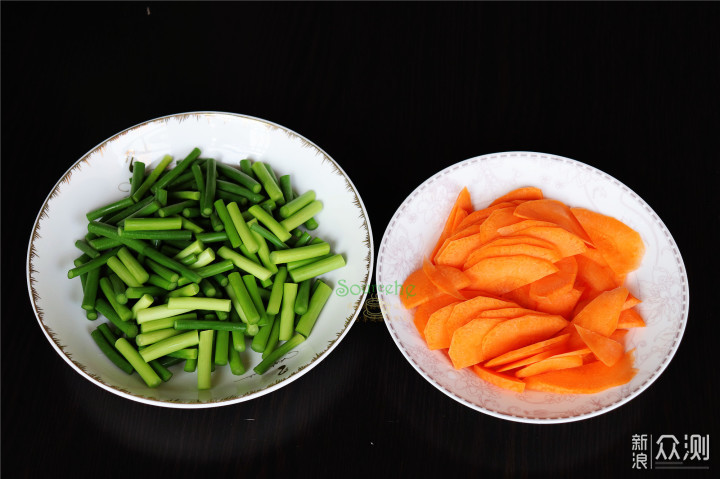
(525, 419)
(224, 401)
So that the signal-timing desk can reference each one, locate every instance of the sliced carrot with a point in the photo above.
(514, 228)
(535, 348)
(602, 313)
(501, 380)
(519, 332)
(501, 274)
(521, 296)
(629, 318)
(594, 276)
(435, 332)
(423, 312)
(466, 344)
(587, 379)
(456, 252)
(557, 283)
(442, 281)
(553, 363)
(576, 352)
(460, 215)
(630, 302)
(619, 336)
(507, 313)
(552, 211)
(418, 289)
(562, 303)
(462, 202)
(470, 309)
(525, 361)
(621, 246)
(477, 217)
(517, 239)
(605, 349)
(526, 193)
(567, 243)
(497, 219)
(552, 255)
(463, 233)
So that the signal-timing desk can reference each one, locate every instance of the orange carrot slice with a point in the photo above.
(466, 344)
(456, 252)
(552, 255)
(526, 193)
(436, 335)
(620, 245)
(514, 228)
(521, 296)
(605, 349)
(526, 351)
(630, 302)
(423, 312)
(501, 380)
(587, 379)
(418, 289)
(462, 202)
(497, 219)
(561, 304)
(567, 243)
(460, 215)
(470, 309)
(552, 211)
(619, 336)
(525, 361)
(557, 283)
(507, 313)
(602, 313)
(519, 332)
(594, 276)
(501, 274)
(443, 282)
(477, 217)
(629, 318)
(553, 363)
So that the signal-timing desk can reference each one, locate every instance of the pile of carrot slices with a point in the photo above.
(529, 293)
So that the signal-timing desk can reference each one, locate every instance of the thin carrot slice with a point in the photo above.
(460, 215)
(602, 313)
(621, 246)
(423, 312)
(507, 313)
(501, 380)
(587, 379)
(525, 361)
(497, 219)
(443, 282)
(462, 202)
(535, 348)
(630, 302)
(501, 274)
(521, 296)
(519, 332)
(557, 283)
(594, 276)
(524, 224)
(552, 211)
(418, 289)
(576, 352)
(461, 233)
(629, 318)
(466, 344)
(550, 364)
(561, 304)
(566, 242)
(477, 217)
(456, 252)
(605, 349)
(526, 193)
(619, 336)
(517, 239)
(470, 309)
(436, 334)
(552, 255)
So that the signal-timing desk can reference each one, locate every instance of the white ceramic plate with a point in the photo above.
(101, 176)
(661, 281)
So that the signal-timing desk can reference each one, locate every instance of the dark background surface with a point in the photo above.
(394, 93)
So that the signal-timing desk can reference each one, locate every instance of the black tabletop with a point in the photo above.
(394, 93)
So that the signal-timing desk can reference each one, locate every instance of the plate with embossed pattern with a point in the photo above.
(660, 281)
(102, 176)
